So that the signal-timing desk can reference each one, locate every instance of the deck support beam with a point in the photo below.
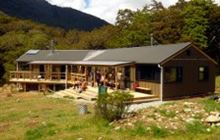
(161, 82)
(66, 77)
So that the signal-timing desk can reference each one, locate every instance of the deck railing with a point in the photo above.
(29, 75)
(78, 76)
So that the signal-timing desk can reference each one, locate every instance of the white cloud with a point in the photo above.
(107, 9)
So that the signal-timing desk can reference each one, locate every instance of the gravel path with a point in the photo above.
(136, 107)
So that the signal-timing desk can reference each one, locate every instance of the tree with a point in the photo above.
(124, 18)
(167, 25)
(213, 34)
(196, 14)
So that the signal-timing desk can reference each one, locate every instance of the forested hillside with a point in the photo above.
(197, 21)
(43, 12)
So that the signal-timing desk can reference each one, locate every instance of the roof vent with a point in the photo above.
(153, 41)
(32, 52)
(52, 46)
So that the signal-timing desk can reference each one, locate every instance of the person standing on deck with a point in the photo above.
(98, 77)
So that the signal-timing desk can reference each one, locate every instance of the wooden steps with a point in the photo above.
(87, 97)
(91, 94)
(143, 90)
(71, 94)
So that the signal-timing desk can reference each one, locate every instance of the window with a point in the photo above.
(24, 67)
(148, 73)
(173, 74)
(203, 73)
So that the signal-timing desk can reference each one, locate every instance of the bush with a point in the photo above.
(112, 106)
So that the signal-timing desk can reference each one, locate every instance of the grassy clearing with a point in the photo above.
(36, 117)
(33, 117)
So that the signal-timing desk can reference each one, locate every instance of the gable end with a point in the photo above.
(189, 52)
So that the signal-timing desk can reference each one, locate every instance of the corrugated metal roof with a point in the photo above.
(146, 54)
(56, 55)
(97, 63)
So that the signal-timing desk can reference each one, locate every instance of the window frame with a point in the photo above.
(178, 74)
(152, 70)
(205, 73)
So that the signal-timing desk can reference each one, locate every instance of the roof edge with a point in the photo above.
(175, 54)
(185, 48)
(204, 54)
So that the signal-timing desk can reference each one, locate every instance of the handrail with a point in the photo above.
(78, 76)
(46, 76)
(37, 75)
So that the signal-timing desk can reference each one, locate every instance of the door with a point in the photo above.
(63, 71)
(127, 78)
(42, 71)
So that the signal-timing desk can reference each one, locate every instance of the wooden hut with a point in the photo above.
(166, 71)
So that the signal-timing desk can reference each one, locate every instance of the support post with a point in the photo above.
(17, 67)
(66, 76)
(161, 82)
(54, 87)
(116, 77)
(25, 87)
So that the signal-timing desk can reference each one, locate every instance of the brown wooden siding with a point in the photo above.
(190, 85)
(155, 87)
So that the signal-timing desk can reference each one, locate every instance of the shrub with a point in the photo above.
(112, 106)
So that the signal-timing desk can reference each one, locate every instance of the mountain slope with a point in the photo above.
(43, 12)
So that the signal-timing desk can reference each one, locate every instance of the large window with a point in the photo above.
(24, 66)
(148, 73)
(173, 74)
(203, 73)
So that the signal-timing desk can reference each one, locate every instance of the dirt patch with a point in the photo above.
(45, 107)
(4, 127)
(32, 123)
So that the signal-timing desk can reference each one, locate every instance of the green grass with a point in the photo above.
(153, 131)
(36, 117)
(159, 132)
(139, 129)
(167, 113)
(210, 105)
(43, 130)
(196, 128)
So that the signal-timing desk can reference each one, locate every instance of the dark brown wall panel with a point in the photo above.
(190, 85)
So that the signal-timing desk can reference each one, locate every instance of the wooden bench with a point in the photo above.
(143, 90)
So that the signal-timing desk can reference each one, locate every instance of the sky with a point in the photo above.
(107, 9)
